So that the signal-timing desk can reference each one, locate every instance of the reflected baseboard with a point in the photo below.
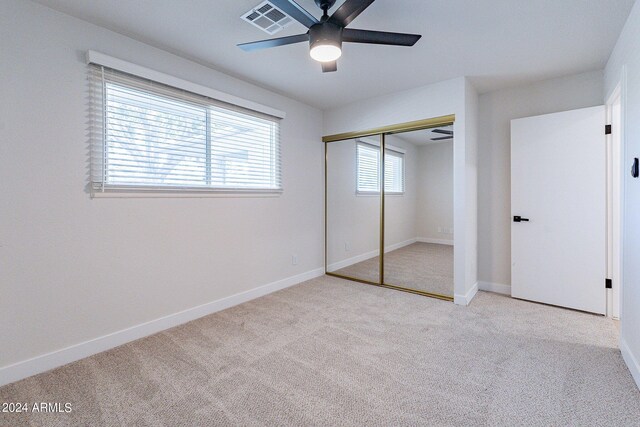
(368, 255)
(436, 241)
(395, 246)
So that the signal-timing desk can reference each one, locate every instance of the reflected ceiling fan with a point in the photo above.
(448, 133)
(326, 36)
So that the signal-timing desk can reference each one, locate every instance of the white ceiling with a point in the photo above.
(498, 43)
(423, 137)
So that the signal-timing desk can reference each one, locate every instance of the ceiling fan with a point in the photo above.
(448, 133)
(326, 36)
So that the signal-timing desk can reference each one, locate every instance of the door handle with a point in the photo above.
(518, 218)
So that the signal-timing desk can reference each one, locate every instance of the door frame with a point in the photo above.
(615, 197)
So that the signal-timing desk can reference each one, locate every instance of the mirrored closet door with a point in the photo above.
(418, 215)
(389, 207)
(353, 204)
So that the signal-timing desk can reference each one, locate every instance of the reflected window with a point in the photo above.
(368, 170)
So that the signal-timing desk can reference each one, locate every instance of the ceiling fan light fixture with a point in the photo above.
(325, 42)
(325, 35)
(325, 52)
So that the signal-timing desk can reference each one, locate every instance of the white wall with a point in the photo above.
(448, 97)
(353, 220)
(73, 269)
(496, 110)
(435, 191)
(624, 66)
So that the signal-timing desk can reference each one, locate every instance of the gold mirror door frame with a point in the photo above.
(380, 132)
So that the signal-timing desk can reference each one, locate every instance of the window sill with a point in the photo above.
(173, 194)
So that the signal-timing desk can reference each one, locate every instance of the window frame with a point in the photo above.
(99, 153)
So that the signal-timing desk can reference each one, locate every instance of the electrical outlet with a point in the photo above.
(347, 247)
(294, 259)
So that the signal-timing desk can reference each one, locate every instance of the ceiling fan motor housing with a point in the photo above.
(325, 34)
(325, 4)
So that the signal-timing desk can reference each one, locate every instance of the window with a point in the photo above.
(149, 136)
(393, 172)
(368, 165)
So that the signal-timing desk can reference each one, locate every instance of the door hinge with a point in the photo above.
(607, 129)
(608, 284)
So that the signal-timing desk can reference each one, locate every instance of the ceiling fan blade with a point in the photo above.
(379, 37)
(282, 41)
(328, 67)
(297, 12)
(446, 132)
(442, 138)
(349, 11)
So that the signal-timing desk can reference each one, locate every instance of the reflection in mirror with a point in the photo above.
(418, 215)
(353, 208)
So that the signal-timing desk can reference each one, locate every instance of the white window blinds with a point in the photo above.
(149, 136)
(393, 172)
(368, 162)
(368, 170)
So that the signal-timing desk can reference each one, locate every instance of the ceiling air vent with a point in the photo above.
(267, 17)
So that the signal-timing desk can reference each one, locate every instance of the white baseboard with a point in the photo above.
(466, 299)
(631, 361)
(353, 260)
(497, 288)
(45, 362)
(395, 246)
(436, 241)
(367, 255)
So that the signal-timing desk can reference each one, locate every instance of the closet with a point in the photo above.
(389, 207)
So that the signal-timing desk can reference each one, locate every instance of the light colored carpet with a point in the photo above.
(423, 266)
(335, 352)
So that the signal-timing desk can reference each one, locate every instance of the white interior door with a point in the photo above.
(558, 183)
